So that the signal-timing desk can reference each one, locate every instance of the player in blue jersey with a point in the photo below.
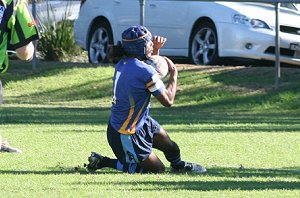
(132, 133)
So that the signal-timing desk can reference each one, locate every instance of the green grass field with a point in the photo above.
(229, 119)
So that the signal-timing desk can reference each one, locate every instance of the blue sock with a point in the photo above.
(129, 167)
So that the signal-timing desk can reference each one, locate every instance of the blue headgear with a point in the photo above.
(135, 39)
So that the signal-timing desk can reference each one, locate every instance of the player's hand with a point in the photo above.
(158, 42)
(172, 67)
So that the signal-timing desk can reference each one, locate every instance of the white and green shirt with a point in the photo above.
(17, 28)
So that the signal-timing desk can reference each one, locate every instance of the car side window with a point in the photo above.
(290, 6)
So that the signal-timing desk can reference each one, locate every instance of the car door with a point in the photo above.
(126, 13)
(169, 19)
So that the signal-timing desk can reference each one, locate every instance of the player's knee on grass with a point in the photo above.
(154, 169)
(153, 164)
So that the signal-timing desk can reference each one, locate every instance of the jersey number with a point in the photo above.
(114, 99)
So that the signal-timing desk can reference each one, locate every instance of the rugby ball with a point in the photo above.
(160, 65)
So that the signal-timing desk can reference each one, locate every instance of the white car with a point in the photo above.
(50, 11)
(203, 31)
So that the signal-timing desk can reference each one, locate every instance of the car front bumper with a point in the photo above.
(238, 41)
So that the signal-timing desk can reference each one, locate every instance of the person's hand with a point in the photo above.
(172, 67)
(158, 42)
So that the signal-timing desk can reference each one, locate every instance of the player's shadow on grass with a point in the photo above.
(236, 179)
(241, 172)
(208, 185)
(229, 172)
(59, 171)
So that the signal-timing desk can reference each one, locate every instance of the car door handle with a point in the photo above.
(152, 5)
(117, 2)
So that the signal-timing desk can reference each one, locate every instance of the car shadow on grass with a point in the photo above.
(183, 117)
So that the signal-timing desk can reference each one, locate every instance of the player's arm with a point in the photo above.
(158, 42)
(25, 52)
(23, 32)
(167, 96)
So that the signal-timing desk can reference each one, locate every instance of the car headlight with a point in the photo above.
(254, 23)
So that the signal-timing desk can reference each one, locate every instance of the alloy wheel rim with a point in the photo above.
(98, 45)
(204, 46)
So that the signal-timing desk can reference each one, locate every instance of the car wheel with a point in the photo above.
(101, 37)
(204, 45)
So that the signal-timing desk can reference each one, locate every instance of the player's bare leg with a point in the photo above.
(171, 150)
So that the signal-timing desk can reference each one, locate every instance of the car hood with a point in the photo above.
(265, 12)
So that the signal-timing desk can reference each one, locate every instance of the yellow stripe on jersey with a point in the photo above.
(125, 124)
(150, 84)
(131, 131)
(155, 84)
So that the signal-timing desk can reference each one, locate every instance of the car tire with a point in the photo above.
(100, 38)
(204, 45)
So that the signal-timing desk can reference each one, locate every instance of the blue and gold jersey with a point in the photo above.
(133, 83)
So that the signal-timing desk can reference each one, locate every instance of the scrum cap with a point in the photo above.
(135, 39)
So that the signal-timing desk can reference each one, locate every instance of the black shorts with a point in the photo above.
(133, 148)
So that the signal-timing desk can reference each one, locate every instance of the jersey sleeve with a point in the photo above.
(24, 29)
(156, 85)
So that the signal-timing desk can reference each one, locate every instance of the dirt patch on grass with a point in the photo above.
(206, 69)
